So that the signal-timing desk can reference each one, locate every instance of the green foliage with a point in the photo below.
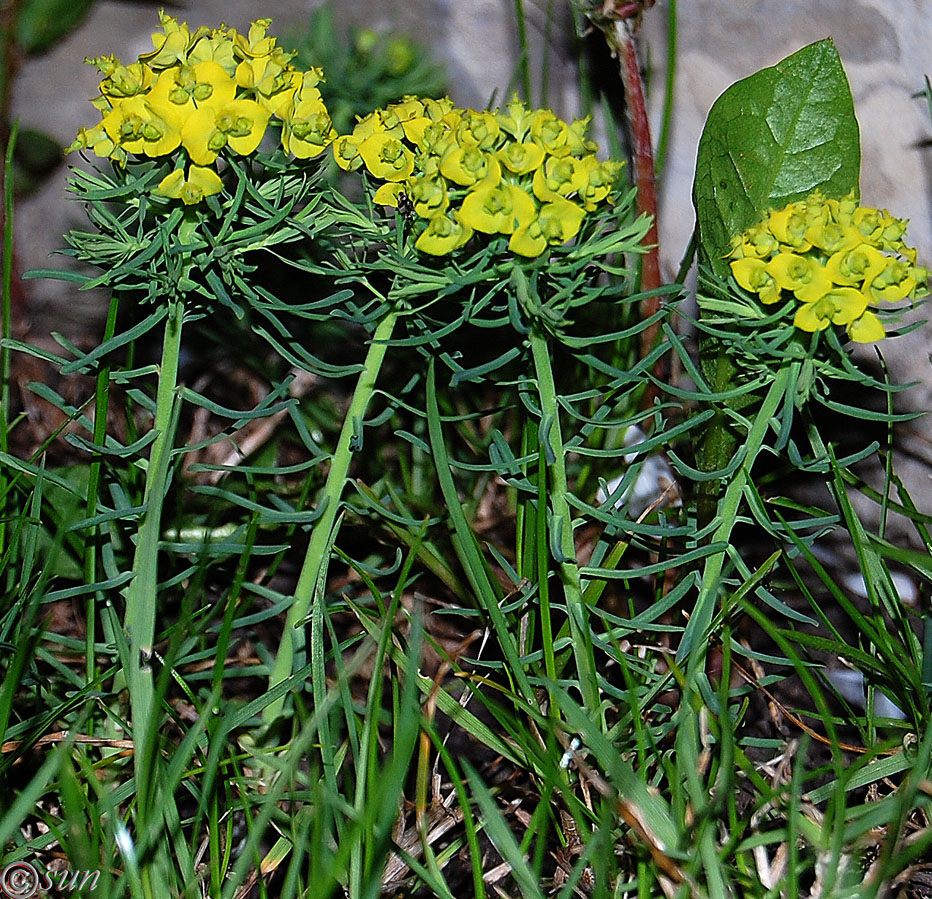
(485, 660)
(364, 71)
(772, 138)
(42, 23)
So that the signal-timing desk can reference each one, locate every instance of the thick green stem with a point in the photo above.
(562, 519)
(291, 649)
(141, 596)
(694, 638)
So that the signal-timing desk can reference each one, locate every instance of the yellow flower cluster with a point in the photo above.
(836, 257)
(515, 171)
(207, 92)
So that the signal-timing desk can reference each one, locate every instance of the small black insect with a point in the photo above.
(405, 206)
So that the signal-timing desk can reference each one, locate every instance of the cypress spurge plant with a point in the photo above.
(508, 222)
(211, 141)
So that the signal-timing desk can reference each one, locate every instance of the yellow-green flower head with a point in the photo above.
(802, 275)
(216, 89)
(122, 81)
(171, 43)
(833, 256)
(514, 171)
(559, 177)
(308, 129)
(600, 179)
(138, 128)
(895, 282)
(386, 156)
(201, 182)
(577, 140)
(239, 125)
(840, 306)
(443, 235)
(478, 129)
(215, 46)
(497, 209)
(550, 132)
(428, 195)
(256, 43)
(754, 276)
(757, 242)
(789, 226)
(346, 153)
(468, 165)
(856, 266)
(515, 119)
(98, 141)
(520, 157)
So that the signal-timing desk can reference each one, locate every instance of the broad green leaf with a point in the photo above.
(42, 23)
(773, 138)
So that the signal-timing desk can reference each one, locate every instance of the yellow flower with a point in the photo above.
(400, 114)
(468, 165)
(97, 140)
(515, 119)
(803, 275)
(122, 81)
(201, 182)
(171, 44)
(557, 222)
(789, 226)
(255, 43)
(137, 128)
(856, 266)
(478, 129)
(600, 179)
(386, 157)
(894, 282)
(269, 78)
(560, 220)
(443, 235)
(389, 193)
(757, 242)
(528, 240)
(833, 237)
(550, 132)
(752, 274)
(346, 153)
(216, 46)
(866, 329)
(841, 306)
(559, 177)
(520, 157)
(181, 90)
(435, 139)
(497, 209)
(577, 141)
(239, 125)
(428, 195)
(308, 129)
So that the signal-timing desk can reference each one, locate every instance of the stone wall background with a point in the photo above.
(884, 46)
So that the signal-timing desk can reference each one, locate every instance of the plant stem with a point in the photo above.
(562, 519)
(694, 637)
(101, 408)
(7, 316)
(291, 649)
(141, 596)
(642, 152)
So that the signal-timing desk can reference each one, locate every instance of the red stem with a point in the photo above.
(644, 178)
